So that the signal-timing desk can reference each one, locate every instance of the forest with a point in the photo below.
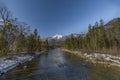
(104, 38)
(16, 36)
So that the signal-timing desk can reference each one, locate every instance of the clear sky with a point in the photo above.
(64, 17)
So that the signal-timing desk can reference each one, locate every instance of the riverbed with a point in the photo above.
(59, 65)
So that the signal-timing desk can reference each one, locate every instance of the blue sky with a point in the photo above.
(64, 17)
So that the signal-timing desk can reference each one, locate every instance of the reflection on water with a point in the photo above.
(58, 65)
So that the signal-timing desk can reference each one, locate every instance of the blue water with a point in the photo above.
(58, 65)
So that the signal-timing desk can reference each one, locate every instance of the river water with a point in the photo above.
(59, 65)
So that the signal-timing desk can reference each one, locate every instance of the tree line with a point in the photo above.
(98, 39)
(15, 36)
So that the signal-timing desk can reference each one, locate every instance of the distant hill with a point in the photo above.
(58, 39)
(113, 23)
(114, 26)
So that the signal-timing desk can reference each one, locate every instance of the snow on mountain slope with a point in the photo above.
(57, 36)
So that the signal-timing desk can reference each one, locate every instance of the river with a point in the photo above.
(59, 65)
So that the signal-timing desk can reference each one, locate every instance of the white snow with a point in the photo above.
(9, 63)
(57, 36)
(107, 57)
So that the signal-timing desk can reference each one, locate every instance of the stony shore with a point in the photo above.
(107, 59)
(10, 62)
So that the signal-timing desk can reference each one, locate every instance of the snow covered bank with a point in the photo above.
(8, 63)
(98, 57)
(103, 57)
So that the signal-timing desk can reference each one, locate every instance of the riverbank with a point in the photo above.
(8, 63)
(108, 60)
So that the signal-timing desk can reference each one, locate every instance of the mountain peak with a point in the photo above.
(57, 36)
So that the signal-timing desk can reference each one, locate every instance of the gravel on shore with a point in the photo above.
(98, 57)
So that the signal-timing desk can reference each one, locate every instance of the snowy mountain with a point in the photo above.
(56, 40)
(57, 36)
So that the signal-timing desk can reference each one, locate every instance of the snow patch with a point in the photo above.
(107, 57)
(9, 63)
(57, 36)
